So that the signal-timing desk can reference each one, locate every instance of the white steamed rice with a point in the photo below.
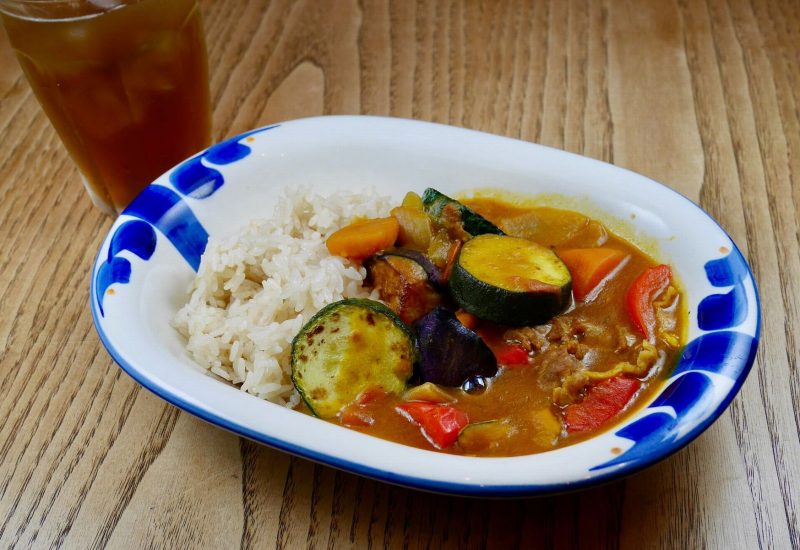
(256, 289)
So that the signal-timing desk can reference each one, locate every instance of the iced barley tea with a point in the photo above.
(126, 89)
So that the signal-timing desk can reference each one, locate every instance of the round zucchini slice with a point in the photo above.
(348, 347)
(510, 281)
(436, 204)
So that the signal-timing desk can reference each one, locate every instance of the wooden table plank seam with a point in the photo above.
(784, 287)
(149, 453)
(17, 86)
(22, 210)
(12, 333)
(284, 523)
(761, 358)
(76, 460)
(23, 100)
(79, 426)
(14, 157)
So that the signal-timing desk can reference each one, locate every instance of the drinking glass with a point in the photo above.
(124, 83)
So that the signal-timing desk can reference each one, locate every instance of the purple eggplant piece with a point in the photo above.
(434, 273)
(450, 353)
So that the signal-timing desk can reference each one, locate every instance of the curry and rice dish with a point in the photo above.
(479, 327)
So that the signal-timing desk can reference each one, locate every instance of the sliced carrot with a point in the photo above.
(362, 239)
(355, 414)
(589, 266)
(467, 319)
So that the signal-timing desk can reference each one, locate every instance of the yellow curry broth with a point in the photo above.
(598, 334)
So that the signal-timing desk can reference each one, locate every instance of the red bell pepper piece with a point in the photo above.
(355, 414)
(370, 394)
(506, 354)
(511, 355)
(602, 402)
(588, 267)
(440, 423)
(639, 299)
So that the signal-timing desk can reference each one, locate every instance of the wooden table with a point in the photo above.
(701, 95)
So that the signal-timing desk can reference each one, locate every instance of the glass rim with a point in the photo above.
(58, 10)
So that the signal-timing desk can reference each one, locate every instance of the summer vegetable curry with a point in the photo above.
(504, 330)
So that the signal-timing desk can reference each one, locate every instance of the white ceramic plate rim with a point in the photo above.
(559, 470)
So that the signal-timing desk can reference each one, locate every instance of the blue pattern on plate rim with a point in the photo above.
(135, 236)
(162, 208)
(719, 352)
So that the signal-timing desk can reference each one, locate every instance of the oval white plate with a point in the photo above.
(149, 257)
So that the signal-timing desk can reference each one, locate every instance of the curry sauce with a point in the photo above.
(552, 378)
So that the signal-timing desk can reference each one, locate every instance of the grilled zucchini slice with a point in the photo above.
(454, 216)
(510, 281)
(348, 347)
(481, 436)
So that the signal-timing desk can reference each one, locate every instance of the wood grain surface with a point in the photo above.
(701, 95)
